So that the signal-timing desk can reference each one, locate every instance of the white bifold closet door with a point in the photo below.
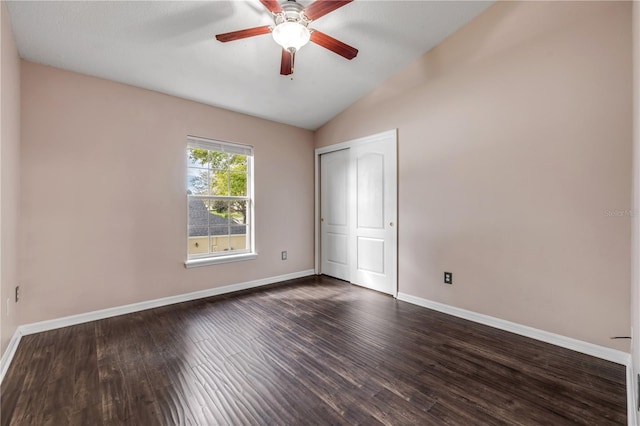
(358, 214)
(334, 222)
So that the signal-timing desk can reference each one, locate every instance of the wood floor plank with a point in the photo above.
(310, 351)
(86, 384)
(88, 415)
(29, 404)
(58, 403)
(527, 386)
(236, 402)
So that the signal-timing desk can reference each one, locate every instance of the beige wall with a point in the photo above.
(514, 143)
(635, 252)
(104, 194)
(9, 177)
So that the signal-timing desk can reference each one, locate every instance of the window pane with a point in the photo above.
(238, 184)
(219, 160)
(199, 245)
(198, 240)
(219, 243)
(219, 238)
(198, 231)
(198, 215)
(197, 157)
(220, 183)
(238, 212)
(238, 162)
(238, 241)
(218, 230)
(224, 244)
(238, 175)
(198, 181)
(238, 236)
(218, 212)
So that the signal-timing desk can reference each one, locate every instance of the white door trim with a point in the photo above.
(337, 147)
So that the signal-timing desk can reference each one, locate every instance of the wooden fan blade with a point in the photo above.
(286, 64)
(249, 32)
(334, 45)
(320, 8)
(272, 6)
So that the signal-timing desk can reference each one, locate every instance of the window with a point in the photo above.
(220, 202)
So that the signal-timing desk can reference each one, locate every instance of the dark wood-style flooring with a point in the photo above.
(311, 351)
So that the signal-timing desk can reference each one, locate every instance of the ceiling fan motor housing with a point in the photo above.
(291, 12)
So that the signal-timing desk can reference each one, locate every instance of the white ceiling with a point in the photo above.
(169, 46)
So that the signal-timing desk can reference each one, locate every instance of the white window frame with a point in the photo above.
(235, 255)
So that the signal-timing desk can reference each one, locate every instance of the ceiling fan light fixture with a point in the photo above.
(291, 35)
(291, 32)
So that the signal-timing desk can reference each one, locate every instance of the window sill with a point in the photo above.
(194, 263)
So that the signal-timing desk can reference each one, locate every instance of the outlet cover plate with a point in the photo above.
(448, 278)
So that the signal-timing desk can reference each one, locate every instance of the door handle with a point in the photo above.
(390, 223)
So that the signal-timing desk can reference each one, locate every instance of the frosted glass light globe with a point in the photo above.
(291, 35)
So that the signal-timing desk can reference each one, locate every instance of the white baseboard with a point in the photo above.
(41, 326)
(38, 327)
(7, 357)
(598, 351)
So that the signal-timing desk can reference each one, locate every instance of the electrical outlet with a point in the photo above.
(448, 278)
(17, 293)
(284, 255)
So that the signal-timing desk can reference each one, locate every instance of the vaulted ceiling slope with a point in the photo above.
(169, 47)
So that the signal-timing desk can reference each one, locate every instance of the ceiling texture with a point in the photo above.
(170, 47)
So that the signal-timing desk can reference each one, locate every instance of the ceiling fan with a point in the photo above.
(291, 29)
